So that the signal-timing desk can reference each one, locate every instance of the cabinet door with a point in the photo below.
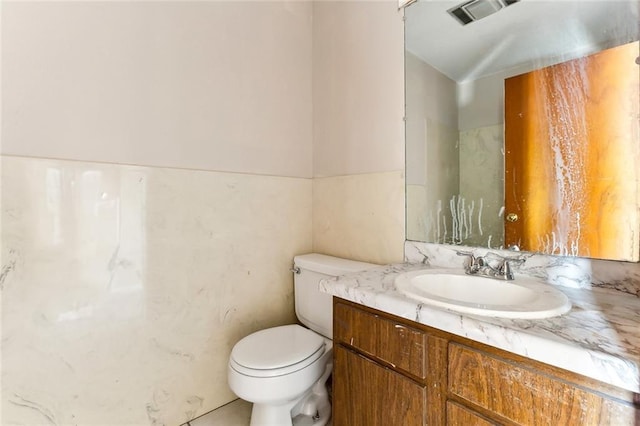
(459, 415)
(527, 397)
(367, 394)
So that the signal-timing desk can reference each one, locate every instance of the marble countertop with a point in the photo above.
(598, 338)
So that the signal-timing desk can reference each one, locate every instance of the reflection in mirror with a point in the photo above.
(572, 157)
(455, 114)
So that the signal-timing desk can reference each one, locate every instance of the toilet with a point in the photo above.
(283, 370)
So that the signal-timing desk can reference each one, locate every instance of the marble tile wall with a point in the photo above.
(482, 183)
(417, 213)
(360, 217)
(124, 288)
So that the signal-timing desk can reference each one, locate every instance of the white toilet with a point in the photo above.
(283, 370)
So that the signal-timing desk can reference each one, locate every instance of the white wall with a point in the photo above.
(358, 130)
(125, 287)
(481, 102)
(200, 85)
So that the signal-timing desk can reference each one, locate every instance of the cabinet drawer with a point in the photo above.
(391, 342)
(525, 396)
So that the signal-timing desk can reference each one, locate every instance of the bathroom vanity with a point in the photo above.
(398, 362)
(391, 371)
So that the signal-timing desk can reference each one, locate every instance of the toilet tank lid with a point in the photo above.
(329, 265)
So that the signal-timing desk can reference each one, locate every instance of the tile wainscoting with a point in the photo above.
(124, 288)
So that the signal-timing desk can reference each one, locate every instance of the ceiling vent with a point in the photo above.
(474, 10)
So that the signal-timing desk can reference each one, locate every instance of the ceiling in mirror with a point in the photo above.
(546, 32)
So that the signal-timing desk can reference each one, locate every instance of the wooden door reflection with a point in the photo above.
(572, 157)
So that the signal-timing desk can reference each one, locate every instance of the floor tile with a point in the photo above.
(236, 413)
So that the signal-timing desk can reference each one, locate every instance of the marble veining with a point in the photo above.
(598, 338)
(573, 272)
(124, 288)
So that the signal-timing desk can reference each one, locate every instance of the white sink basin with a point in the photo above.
(524, 297)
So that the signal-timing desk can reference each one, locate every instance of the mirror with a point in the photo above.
(455, 117)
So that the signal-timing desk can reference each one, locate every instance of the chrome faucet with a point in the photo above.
(479, 265)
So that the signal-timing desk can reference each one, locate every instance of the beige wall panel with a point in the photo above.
(360, 216)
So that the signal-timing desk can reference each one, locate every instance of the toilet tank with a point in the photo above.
(313, 307)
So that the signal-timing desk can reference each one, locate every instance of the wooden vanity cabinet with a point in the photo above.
(390, 371)
(374, 353)
(361, 381)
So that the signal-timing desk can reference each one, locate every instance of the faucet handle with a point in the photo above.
(505, 268)
(465, 253)
(473, 261)
(469, 254)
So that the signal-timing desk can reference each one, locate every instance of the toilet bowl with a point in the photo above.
(295, 360)
(283, 370)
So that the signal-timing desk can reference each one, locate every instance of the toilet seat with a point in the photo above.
(276, 351)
